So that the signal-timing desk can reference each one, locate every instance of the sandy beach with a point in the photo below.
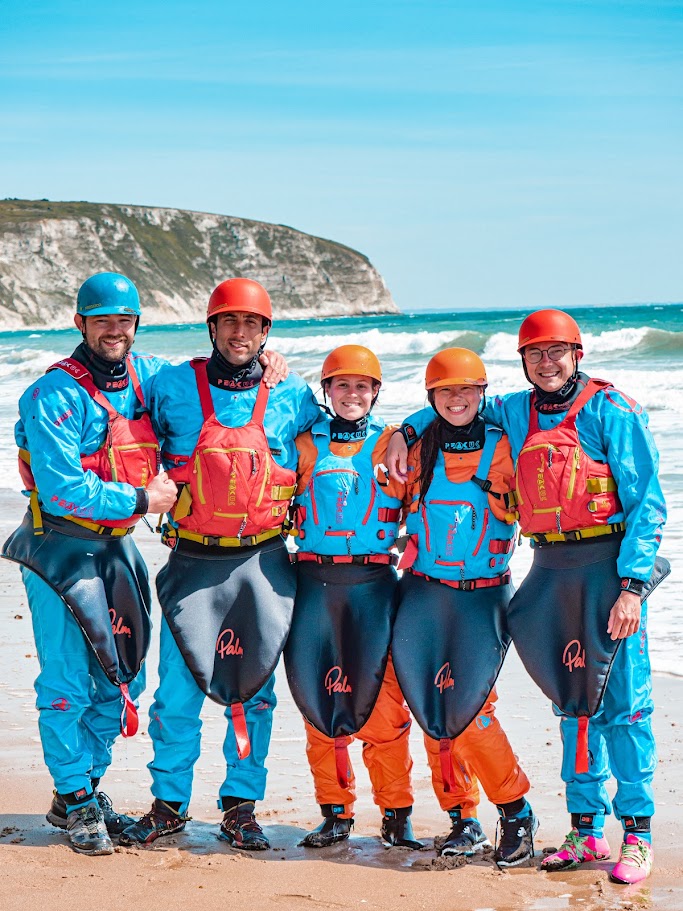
(195, 871)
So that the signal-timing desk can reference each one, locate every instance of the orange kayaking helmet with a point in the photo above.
(455, 367)
(351, 360)
(549, 326)
(240, 294)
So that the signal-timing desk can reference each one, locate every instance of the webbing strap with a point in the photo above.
(239, 726)
(129, 714)
(261, 401)
(198, 364)
(581, 759)
(447, 773)
(341, 760)
(36, 513)
(409, 555)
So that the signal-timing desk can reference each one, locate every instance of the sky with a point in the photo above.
(491, 153)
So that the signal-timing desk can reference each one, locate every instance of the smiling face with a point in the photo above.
(351, 396)
(458, 404)
(238, 336)
(109, 337)
(548, 374)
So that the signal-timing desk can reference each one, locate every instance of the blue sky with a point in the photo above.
(482, 154)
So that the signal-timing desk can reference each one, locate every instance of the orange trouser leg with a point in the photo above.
(385, 753)
(386, 749)
(321, 758)
(482, 751)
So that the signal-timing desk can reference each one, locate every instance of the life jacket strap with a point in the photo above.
(278, 492)
(467, 585)
(105, 530)
(579, 534)
(218, 540)
(36, 513)
(353, 559)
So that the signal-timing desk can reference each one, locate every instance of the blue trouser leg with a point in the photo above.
(79, 709)
(247, 777)
(620, 740)
(175, 726)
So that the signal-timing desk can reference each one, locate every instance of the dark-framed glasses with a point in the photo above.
(555, 353)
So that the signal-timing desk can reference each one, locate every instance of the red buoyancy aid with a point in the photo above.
(235, 486)
(130, 451)
(558, 487)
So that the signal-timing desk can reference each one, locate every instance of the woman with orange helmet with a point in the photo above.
(589, 497)
(346, 515)
(452, 603)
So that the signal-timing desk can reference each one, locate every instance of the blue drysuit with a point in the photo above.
(175, 726)
(79, 708)
(612, 428)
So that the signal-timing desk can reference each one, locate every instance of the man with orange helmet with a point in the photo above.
(589, 497)
(346, 515)
(227, 590)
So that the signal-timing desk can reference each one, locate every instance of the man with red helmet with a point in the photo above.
(589, 497)
(228, 588)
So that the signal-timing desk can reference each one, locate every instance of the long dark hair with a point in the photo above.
(430, 446)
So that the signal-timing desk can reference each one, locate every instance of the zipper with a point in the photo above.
(426, 527)
(198, 471)
(483, 532)
(314, 505)
(372, 502)
(266, 478)
(457, 503)
(110, 455)
(572, 475)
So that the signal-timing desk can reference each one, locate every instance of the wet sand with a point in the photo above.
(195, 871)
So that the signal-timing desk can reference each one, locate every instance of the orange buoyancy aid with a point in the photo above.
(558, 488)
(129, 453)
(234, 488)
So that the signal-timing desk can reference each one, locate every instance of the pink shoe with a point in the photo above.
(635, 861)
(577, 849)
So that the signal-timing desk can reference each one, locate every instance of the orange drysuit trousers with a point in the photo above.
(481, 752)
(386, 754)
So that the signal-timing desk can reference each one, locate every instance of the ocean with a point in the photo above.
(638, 348)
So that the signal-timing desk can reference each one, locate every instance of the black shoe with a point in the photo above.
(161, 820)
(331, 829)
(397, 830)
(115, 822)
(516, 843)
(87, 831)
(240, 829)
(466, 837)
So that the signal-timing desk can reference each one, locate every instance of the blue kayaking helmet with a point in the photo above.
(108, 292)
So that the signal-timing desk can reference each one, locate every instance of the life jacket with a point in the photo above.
(129, 453)
(234, 489)
(344, 509)
(559, 489)
(458, 536)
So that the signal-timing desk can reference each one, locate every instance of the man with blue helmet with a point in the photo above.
(88, 457)
(588, 495)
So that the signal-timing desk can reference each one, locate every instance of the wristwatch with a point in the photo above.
(632, 585)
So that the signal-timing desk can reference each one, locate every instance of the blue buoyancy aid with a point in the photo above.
(459, 537)
(344, 508)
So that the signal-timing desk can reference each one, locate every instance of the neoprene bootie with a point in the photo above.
(397, 830)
